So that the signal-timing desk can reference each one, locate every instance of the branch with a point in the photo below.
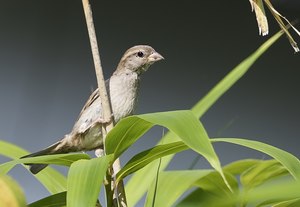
(105, 102)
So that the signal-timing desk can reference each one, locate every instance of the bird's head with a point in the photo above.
(138, 59)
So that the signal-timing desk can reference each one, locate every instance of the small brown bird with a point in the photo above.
(122, 89)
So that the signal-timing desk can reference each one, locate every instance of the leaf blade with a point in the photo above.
(85, 179)
(50, 178)
(137, 185)
(289, 161)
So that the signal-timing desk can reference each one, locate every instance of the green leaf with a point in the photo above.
(290, 203)
(182, 123)
(261, 173)
(283, 190)
(124, 134)
(212, 191)
(214, 183)
(140, 181)
(231, 78)
(85, 179)
(53, 180)
(188, 128)
(10, 150)
(58, 159)
(289, 161)
(142, 159)
(276, 203)
(238, 167)
(199, 198)
(56, 200)
(171, 185)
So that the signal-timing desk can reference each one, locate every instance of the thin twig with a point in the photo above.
(105, 102)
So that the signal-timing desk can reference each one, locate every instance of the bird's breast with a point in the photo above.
(123, 94)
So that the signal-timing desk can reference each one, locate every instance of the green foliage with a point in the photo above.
(85, 179)
(241, 183)
(140, 182)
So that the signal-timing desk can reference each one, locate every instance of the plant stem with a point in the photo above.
(105, 102)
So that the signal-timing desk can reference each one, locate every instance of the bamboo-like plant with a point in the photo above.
(250, 182)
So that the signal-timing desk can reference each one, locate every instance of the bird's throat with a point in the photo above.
(123, 91)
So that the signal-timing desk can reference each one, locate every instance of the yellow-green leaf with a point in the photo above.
(85, 179)
(141, 180)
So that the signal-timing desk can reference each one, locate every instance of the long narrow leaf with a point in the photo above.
(56, 200)
(262, 173)
(238, 167)
(187, 127)
(58, 159)
(142, 159)
(183, 124)
(289, 161)
(137, 185)
(53, 180)
(85, 179)
(124, 134)
(171, 185)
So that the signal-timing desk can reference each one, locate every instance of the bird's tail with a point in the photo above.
(35, 168)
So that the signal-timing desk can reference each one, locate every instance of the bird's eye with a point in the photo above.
(140, 54)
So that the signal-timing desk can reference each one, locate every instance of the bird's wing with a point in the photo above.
(90, 113)
(89, 102)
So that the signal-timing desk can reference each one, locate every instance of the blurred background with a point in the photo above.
(47, 74)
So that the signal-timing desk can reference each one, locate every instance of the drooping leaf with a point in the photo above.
(140, 181)
(238, 167)
(183, 124)
(262, 172)
(58, 159)
(53, 180)
(289, 161)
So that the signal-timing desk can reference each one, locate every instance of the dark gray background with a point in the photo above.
(46, 71)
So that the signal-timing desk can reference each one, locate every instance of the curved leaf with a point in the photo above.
(58, 159)
(289, 161)
(85, 179)
(183, 124)
(53, 180)
(238, 167)
(137, 185)
(124, 134)
(142, 159)
(262, 173)
(56, 200)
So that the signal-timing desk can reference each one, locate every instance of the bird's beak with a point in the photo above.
(154, 57)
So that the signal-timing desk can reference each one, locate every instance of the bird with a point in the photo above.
(122, 88)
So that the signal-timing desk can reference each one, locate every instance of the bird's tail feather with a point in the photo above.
(35, 168)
